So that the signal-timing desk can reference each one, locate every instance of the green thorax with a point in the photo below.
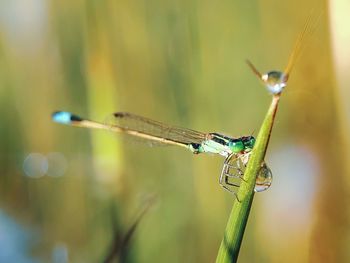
(223, 145)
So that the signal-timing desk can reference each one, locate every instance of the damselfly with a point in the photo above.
(235, 150)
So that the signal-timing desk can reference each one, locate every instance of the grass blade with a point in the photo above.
(231, 243)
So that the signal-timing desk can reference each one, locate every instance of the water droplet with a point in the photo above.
(275, 81)
(264, 179)
(235, 167)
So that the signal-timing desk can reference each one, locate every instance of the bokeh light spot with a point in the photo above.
(35, 165)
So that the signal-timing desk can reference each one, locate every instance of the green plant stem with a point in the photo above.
(231, 243)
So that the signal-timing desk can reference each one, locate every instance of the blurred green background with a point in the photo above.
(66, 193)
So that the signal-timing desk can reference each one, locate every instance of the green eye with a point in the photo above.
(236, 146)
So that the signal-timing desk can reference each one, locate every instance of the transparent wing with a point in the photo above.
(154, 131)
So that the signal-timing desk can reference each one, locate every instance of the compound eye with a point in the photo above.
(236, 146)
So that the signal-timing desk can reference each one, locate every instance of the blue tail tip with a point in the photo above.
(64, 117)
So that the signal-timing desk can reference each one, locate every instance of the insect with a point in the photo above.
(235, 150)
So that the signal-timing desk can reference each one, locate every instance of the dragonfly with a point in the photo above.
(235, 150)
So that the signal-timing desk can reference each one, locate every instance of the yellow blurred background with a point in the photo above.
(66, 193)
